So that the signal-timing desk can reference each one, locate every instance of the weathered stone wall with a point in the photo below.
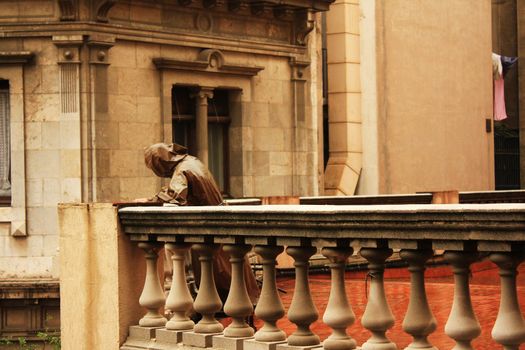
(133, 121)
(86, 106)
(48, 173)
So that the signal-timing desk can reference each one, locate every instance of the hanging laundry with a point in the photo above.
(500, 66)
(497, 67)
(507, 63)
(500, 112)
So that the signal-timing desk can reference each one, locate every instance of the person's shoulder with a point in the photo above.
(191, 163)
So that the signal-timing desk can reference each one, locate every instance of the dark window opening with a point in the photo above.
(183, 129)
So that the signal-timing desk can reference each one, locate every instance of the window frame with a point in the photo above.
(5, 200)
(13, 215)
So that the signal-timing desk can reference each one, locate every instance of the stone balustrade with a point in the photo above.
(463, 232)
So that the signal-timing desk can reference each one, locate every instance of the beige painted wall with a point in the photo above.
(434, 93)
(102, 278)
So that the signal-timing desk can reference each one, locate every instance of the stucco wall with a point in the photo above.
(434, 95)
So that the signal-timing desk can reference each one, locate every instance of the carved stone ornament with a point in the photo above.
(208, 4)
(298, 66)
(304, 23)
(203, 22)
(102, 9)
(68, 9)
(237, 5)
(99, 46)
(208, 60)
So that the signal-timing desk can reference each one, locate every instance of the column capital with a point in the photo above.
(99, 46)
(203, 92)
(298, 66)
(68, 48)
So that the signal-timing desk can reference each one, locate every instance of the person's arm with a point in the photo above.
(177, 190)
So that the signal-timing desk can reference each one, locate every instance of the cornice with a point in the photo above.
(16, 57)
(210, 61)
(16, 30)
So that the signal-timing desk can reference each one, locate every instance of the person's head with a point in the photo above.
(162, 158)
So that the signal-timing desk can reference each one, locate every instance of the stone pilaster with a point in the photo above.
(69, 60)
(95, 126)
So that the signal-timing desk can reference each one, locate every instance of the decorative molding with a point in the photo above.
(258, 8)
(68, 10)
(208, 4)
(68, 48)
(176, 37)
(203, 92)
(103, 8)
(69, 61)
(16, 57)
(203, 22)
(304, 23)
(237, 5)
(99, 48)
(282, 12)
(208, 60)
(298, 66)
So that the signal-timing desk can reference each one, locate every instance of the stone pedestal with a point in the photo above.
(259, 345)
(166, 339)
(140, 338)
(298, 347)
(229, 343)
(199, 340)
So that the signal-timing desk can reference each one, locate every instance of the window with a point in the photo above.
(5, 146)
(183, 129)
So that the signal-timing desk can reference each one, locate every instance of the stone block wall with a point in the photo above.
(85, 106)
(131, 123)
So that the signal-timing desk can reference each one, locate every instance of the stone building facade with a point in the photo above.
(85, 85)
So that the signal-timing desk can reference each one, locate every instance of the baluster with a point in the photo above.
(338, 315)
(509, 329)
(238, 304)
(179, 300)
(378, 317)
(208, 301)
(152, 297)
(269, 308)
(302, 310)
(419, 321)
(462, 324)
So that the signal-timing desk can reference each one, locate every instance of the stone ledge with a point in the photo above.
(455, 223)
(29, 289)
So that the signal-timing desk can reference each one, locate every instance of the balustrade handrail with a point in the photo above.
(401, 224)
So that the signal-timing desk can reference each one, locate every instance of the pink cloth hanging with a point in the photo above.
(499, 100)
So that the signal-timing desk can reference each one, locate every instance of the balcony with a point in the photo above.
(112, 295)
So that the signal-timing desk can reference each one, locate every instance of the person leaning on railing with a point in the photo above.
(192, 184)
